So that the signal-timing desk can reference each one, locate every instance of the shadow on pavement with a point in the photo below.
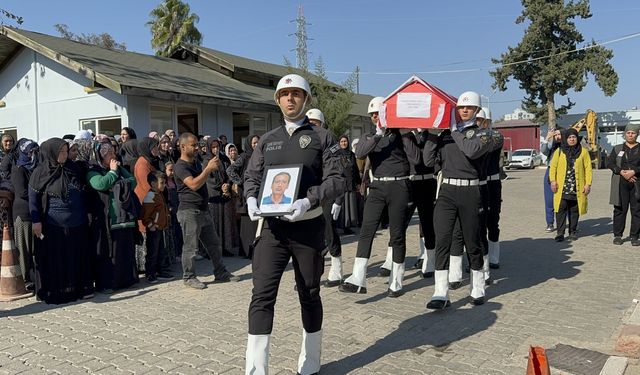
(596, 227)
(435, 329)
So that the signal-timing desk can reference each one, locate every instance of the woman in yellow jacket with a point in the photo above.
(570, 176)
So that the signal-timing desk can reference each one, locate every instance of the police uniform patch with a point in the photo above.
(305, 140)
(335, 148)
(470, 133)
(484, 138)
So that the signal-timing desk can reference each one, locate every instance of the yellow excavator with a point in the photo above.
(590, 121)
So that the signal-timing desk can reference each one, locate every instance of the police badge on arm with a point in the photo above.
(279, 189)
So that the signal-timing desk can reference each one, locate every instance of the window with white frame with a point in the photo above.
(12, 131)
(160, 118)
(109, 126)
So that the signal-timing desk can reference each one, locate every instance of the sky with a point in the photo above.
(447, 43)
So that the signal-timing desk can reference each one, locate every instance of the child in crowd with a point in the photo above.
(155, 218)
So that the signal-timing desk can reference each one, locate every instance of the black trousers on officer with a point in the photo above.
(424, 195)
(396, 195)
(463, 203)
(627, 200)
(458, 242)
(280, 240)
(331, 236)
(494, 208)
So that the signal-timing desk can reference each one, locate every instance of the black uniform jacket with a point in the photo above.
(390, 154)
(461, 155)
(316, 149)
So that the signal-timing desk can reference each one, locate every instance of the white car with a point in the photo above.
(525, 158)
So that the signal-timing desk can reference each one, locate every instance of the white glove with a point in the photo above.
(380, 130)
(298, 208)
(252, 209)
(335, 211)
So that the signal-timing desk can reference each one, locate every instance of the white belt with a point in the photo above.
(311, 214)
(391, 178)
(494, 177)
(483, 182)
(462, 182)
(420, 177)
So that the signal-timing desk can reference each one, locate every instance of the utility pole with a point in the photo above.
(357, 79)
(301, 44)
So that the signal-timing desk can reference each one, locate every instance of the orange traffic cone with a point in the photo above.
(538, 363)
(11, 281)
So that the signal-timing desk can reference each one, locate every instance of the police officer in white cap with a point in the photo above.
(461, 152)
(330, 211)
(494, 187)
(299, 235)
(390, 154)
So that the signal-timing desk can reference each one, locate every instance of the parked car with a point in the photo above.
(525, 158)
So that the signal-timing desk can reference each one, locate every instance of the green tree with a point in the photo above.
(335, 101)
(103, 40)
(5, 13)
(546, 62)
(171, 24)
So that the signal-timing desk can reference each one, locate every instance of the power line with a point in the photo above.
(625, 37)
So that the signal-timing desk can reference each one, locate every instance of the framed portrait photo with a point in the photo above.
(279, 189)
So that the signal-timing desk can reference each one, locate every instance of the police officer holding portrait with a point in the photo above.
(299, 235)
(461, 152)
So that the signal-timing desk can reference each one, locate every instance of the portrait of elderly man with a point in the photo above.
(278, 187)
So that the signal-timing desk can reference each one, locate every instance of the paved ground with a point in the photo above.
(545, 293)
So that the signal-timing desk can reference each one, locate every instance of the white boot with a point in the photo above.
(335, 272)
(494, 252)
(309, 359)
(388, 261)
(429, 263)
(485, 268)
(455, 268)
(396, 277)
(359, 275)
(477, 285)
(257, 358)
(440, 299)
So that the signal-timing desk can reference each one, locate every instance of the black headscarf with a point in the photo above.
(144, 149)
(246, 147)
(52, 177)
(129, 153)
(131, 132)
(572, 152)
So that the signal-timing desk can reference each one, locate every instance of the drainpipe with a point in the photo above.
(35, 90)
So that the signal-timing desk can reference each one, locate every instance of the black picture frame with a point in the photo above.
(290, 194)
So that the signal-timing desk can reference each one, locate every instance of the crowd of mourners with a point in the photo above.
(93, 213)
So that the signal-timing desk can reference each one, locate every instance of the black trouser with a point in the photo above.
(570, 207)
(493, 213)
(153, 261)
(396, 195)
(331, 236)
(458, 242)
(627, 199)
(463, 203)
(303, 241)
(424, 195)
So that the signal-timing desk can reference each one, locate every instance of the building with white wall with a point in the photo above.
(51, 86)
(519, 114)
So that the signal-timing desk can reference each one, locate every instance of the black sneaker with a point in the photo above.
(227, 278)
(455, 285)
(574, 237)
(351, 288)
(635, 242)
(559, 238)
(438, 304)
(617, 240)
(152, 279)
(550, 228)
(165, 276)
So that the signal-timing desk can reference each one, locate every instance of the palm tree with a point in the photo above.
(171, 24)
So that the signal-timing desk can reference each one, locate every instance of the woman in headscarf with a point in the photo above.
(59, 217)
(127, 134)
(220, 205)
(129, 154)
(236, 172)
(171, 134)
(113, 235)
(231, 151)
(7, 157)
(164, 152)
(349, 214)
(27, 151)
(570, 176)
